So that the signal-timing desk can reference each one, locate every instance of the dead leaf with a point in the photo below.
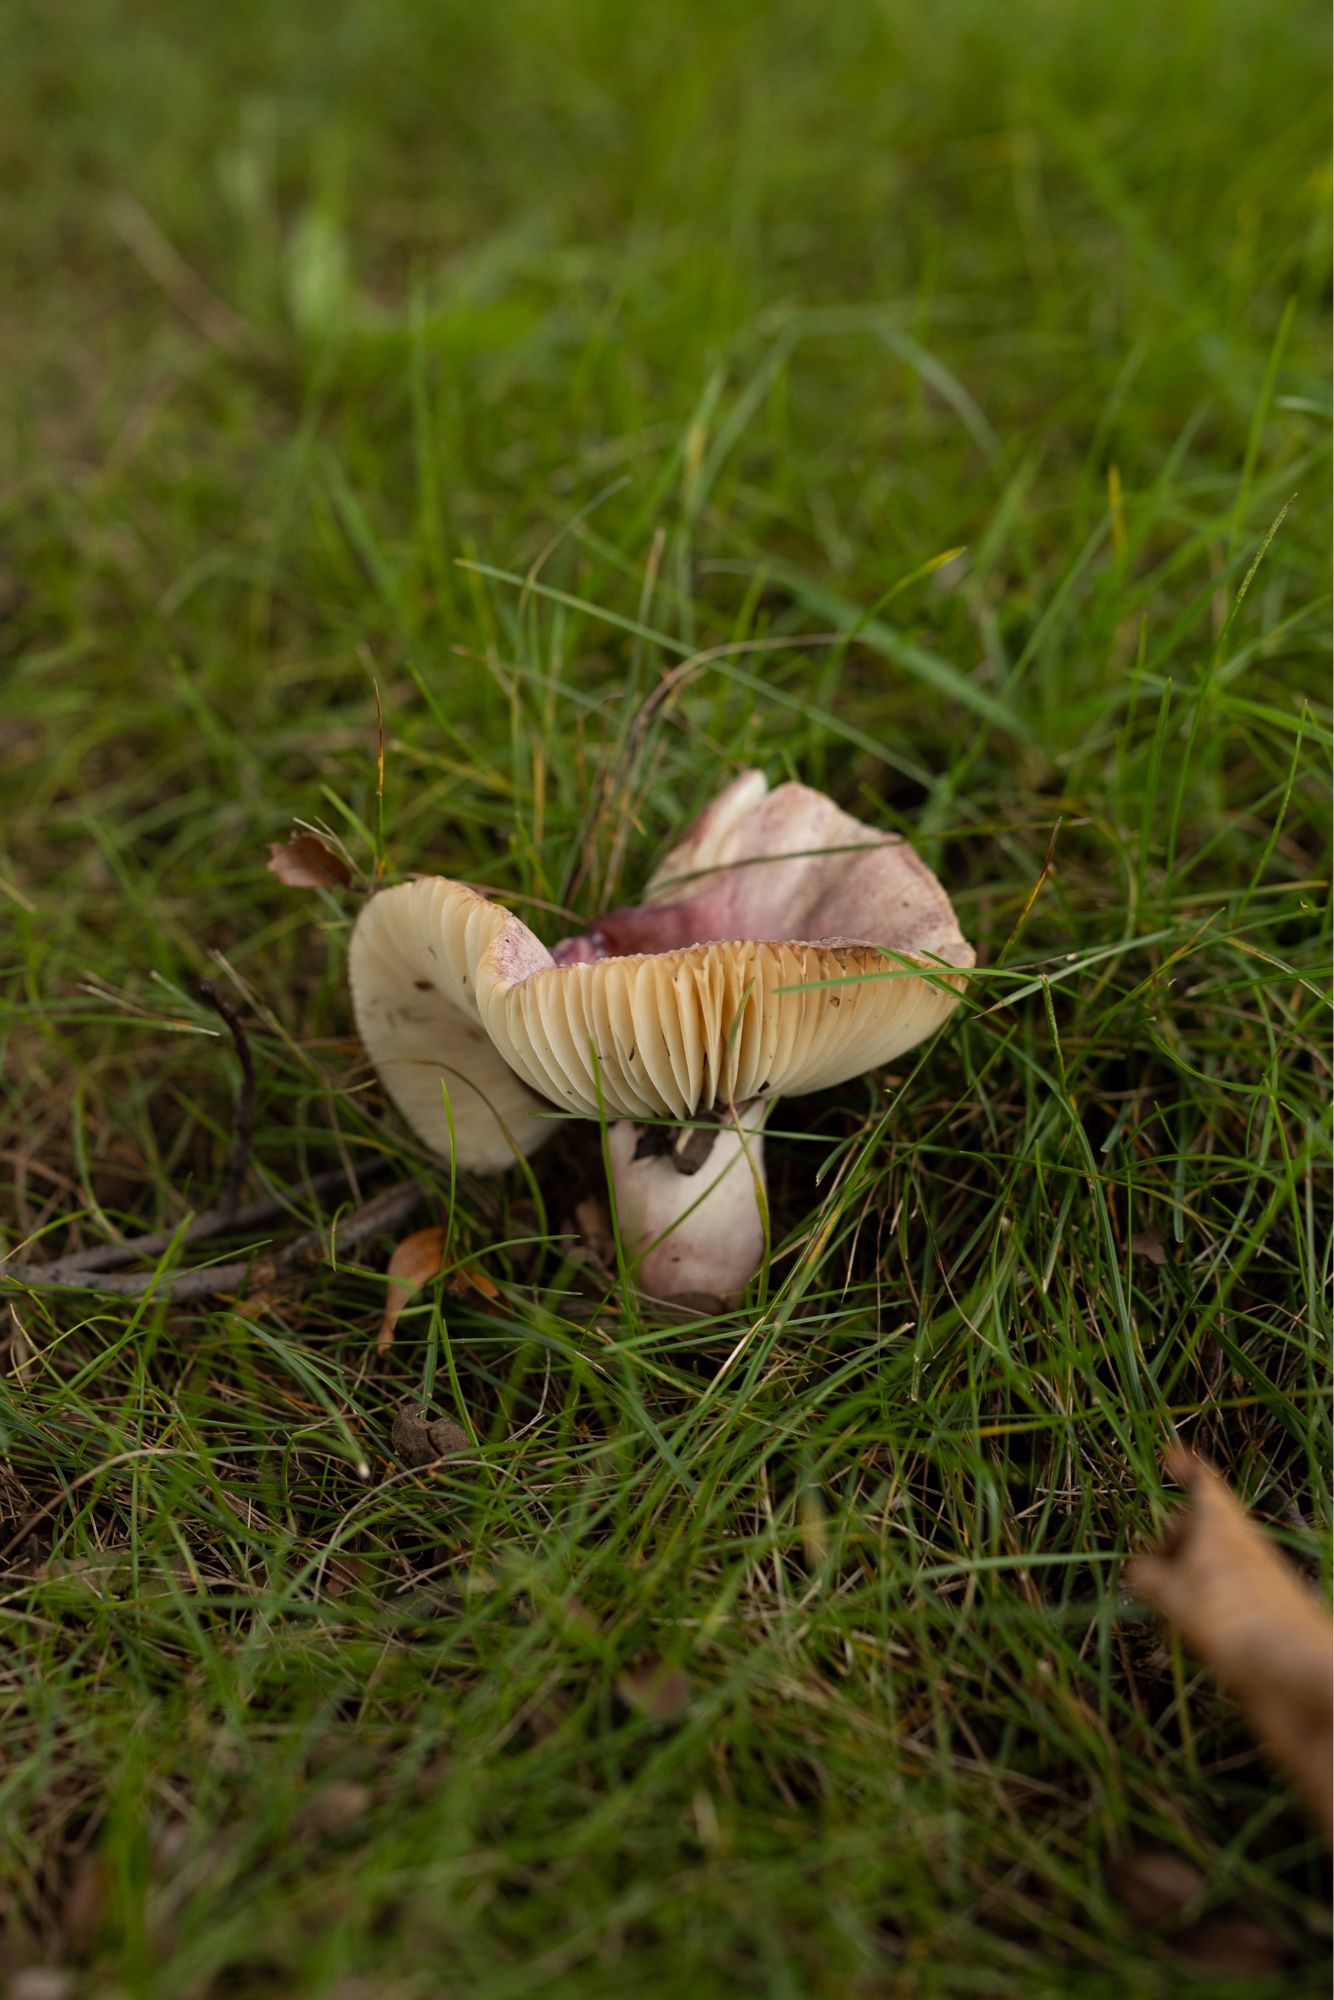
(657, 1691)
(1154, 1886)
(307, 862)
(256, 1304)
(333, 1809)
(1236, 1947)
(412, 1264)
(469, 1278)
(1147, 1243)
(418, 1442)
(1247, 1612)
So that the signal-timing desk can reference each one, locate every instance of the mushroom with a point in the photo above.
(781, 947)
(416, 1012)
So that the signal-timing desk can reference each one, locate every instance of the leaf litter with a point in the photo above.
(1248, 1614)
(307, 862)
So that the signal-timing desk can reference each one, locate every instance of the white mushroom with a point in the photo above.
(688, 1213)
(781, 947)
(408, 967)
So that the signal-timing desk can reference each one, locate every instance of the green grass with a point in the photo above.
(508, 358)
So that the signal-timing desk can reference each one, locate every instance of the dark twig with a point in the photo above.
(253, 1273)
(243, 1119)
(208, 1223)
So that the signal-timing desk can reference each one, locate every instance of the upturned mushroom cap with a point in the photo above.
(805, 949)
(783, 865)
(781, 947)
(672, 1033)
(409, 969)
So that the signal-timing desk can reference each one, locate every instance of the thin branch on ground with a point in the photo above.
(208, 1223)
(386, 1211)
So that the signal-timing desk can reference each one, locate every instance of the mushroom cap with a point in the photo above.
(672, 1033)
(409, 970)
(806, 949)
(781, 947)
(791, 864)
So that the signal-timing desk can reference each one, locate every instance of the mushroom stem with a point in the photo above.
(688, 1206)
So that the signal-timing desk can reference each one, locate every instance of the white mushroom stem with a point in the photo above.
(688, 1211)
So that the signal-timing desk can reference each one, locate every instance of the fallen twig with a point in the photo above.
(386, 1211)
(209, 1222)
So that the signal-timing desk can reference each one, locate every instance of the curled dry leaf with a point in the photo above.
(1245, 1611)
(412, 1264)
(307, 862)
(471, 1278)
(421, 1441)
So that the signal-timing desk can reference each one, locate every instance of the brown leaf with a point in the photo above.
(1154, 1885)
(1157, 1888)
(1147, 1243)
(334, 1808)
(418, 1442)
(1245, 1610)
(470, 1278)
(657, 1691)
(1236, 1947)
(412, 1264)
(256, 1304)
(307, 862)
